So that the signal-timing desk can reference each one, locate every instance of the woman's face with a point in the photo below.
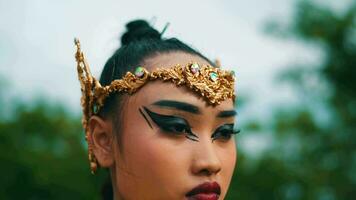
(173, 140)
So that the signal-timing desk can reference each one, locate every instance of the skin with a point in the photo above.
(154, 164)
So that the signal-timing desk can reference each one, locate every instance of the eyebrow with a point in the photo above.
(187, 107)
(178, 105)
(226, 113)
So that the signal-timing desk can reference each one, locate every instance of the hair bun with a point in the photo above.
(139, 30)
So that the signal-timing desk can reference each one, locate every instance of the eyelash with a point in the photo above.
(226, 134)
(166, 124)
(169, 123)
(176, 128)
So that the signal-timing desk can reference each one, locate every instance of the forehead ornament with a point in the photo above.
(212, 83)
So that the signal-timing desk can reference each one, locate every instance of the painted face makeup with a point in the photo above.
(171, 141)
(171, 124)
(224, 132)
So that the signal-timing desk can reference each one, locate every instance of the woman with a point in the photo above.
(165, 131)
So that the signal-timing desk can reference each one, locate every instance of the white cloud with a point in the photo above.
(37, 52)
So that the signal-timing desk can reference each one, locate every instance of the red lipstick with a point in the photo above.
(205, 191)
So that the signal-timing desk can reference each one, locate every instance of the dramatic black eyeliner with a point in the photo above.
(172, 124)
(225, 131)
(144, 116)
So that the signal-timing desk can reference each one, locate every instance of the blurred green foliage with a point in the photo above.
(44, 154)
(311, 158)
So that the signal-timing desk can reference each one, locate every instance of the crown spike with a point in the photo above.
(212, 83)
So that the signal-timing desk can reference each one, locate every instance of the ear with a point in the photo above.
(102, 137)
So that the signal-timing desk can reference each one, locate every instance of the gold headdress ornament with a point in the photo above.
(214, 84)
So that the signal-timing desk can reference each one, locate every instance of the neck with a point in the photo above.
(116, 194)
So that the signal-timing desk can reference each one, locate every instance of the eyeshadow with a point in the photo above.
(172, 124)
(225, 131)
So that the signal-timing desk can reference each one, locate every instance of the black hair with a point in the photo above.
(139, 42)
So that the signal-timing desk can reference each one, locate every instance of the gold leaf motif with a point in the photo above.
(214, 89)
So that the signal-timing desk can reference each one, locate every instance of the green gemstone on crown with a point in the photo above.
(139, 72)
(214, 76)
(233, 73)
(194, 68)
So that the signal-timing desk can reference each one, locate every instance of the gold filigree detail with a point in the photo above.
(213, 84)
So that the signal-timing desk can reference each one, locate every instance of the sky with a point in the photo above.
(37, 50)
(36, 40)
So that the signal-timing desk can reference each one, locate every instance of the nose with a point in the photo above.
(205, 159)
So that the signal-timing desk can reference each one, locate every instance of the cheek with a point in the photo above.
(155, 152)
(151, 158)
(228, 157)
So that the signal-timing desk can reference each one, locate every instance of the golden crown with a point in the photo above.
(212, 83)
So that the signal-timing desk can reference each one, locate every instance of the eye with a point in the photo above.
(176, 128)
(224, 132)
(170, 124)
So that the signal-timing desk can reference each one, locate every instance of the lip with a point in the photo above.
(205, 191)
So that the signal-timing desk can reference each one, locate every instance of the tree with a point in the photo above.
(43, 155)
(312, 159)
